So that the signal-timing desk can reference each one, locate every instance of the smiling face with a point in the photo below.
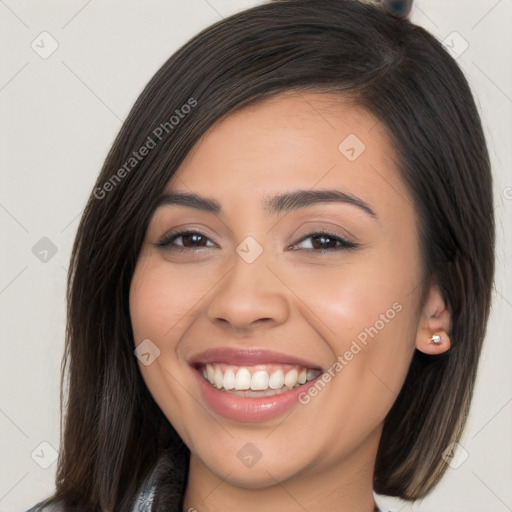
(283, 257)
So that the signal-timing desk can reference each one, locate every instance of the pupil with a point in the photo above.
(193, 240)
(323, 242)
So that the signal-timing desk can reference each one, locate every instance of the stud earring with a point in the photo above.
(436, 339)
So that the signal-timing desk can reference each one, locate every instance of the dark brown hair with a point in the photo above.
(115, 436)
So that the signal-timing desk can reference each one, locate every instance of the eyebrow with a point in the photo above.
(190, 200)
(303, 198)
(276, 204)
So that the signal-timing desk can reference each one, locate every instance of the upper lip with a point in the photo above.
(247, 357)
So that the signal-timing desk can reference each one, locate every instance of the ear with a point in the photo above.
(432, 336)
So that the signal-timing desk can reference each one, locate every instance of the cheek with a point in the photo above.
(160, 299)
(351, 295)
(366, 311)
(158, 311)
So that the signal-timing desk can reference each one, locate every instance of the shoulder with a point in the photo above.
(143, 503)
(47, 508)
(144, 500)
(40, 507)
(380, 505)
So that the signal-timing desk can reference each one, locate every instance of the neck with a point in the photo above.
(346, 486)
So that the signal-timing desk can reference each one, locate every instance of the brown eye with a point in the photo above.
(194, 240)
(186, 240)
(324, 242)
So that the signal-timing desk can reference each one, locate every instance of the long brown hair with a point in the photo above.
(115, 436)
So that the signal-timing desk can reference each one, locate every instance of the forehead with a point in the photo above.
(294, 140)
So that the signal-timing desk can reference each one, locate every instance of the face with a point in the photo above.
(278, 284)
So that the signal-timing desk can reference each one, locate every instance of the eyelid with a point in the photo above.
(346, 244)
(347, 240)
(167, 239)
(320, 225)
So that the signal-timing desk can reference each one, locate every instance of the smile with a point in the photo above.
(251, 385)
(256, 381)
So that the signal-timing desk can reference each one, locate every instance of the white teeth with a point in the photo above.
(240, 379)
(229, 379)
(276, 380)
(259, 381)
(210, 373)
(243, 379)
(219, 378)
(290, 379)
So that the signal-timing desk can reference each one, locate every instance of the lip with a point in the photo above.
(248, 357)
(248, 409)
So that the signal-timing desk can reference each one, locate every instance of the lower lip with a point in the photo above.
(250, 409)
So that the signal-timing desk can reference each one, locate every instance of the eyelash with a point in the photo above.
(343, 243)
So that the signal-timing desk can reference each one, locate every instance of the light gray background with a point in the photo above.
(59, 116)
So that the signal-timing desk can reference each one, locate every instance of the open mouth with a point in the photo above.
(257, 380)
(249, 385)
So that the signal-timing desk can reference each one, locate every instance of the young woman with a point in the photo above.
(281, 282)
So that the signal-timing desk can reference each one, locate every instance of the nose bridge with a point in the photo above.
(249, 293)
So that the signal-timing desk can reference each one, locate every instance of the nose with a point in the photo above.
(249, 297)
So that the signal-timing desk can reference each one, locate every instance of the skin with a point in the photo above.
(294, 298)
